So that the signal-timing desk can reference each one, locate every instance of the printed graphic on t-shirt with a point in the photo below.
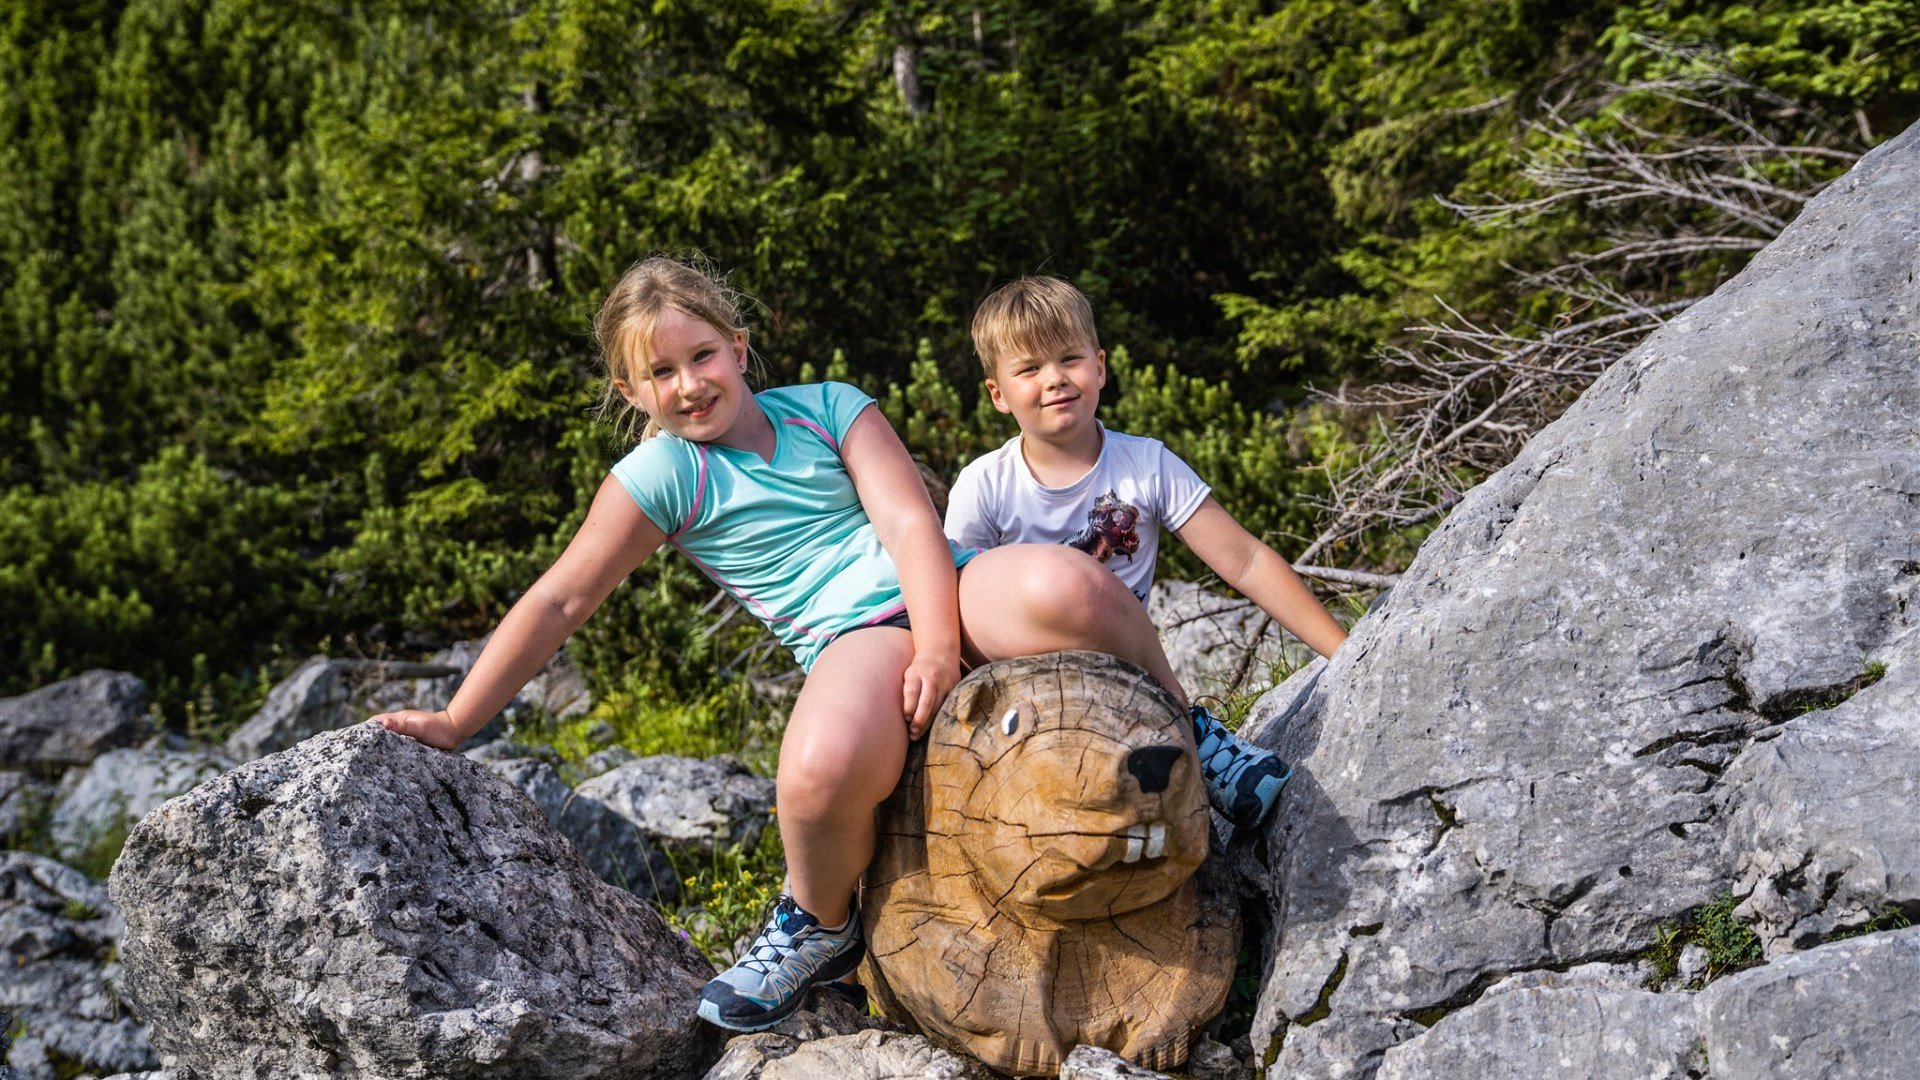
(1111, 529)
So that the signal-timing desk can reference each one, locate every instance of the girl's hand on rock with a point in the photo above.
(433, 728)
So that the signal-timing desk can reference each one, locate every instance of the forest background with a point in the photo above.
(294, 299)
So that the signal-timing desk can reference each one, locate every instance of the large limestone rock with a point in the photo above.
(618, 850)
(365, 906)
(73, 722)
(1559, 730)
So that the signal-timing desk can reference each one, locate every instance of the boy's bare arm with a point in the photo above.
(1261, 575)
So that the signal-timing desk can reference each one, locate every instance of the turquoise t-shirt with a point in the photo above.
(787, 538)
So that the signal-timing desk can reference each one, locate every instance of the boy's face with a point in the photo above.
(1052, 393)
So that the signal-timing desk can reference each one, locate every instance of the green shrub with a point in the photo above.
(725, 896)
(152, 576)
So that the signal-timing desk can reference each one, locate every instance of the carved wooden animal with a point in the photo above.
(1034, 885)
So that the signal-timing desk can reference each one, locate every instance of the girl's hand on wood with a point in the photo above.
(924, 689)
(436, 729)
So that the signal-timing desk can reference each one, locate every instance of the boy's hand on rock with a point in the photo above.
(433, 728)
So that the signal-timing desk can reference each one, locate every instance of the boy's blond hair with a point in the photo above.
(1032, 315)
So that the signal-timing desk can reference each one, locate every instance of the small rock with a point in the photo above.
(311, 700)
(868, 1055)
(686, 804)
(1692, 963)
(75, 721)
(121, 786)
(1095, 1063)
(1212, 1061)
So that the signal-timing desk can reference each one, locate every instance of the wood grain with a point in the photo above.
(1035, 885)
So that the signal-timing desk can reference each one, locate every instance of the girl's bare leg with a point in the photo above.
(1026, 599)
(845, 745)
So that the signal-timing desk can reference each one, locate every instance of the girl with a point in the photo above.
(802, 503)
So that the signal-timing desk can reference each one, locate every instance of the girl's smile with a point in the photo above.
(692, 381)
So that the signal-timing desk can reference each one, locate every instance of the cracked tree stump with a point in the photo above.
(1034, 886)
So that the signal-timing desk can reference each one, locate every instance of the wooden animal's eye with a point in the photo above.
(1010, 723)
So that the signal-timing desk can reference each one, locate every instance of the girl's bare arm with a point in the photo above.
(614, 539)
(896, 501)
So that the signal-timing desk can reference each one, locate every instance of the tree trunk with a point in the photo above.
(1034, 883)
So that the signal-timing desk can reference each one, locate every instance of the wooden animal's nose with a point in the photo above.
(1153, 766)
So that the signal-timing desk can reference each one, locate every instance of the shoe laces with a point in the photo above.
(786, 921)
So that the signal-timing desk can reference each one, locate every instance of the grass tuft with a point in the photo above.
(1731, 945)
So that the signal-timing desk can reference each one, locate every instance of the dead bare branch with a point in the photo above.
(1673, 172)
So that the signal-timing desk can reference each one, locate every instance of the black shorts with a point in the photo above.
(898, 619)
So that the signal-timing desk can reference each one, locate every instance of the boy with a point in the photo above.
(1067, 479)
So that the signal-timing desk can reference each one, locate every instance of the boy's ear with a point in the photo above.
(1100, 359)
(993, 391)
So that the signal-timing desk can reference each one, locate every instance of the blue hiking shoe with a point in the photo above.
(1243, 780)
(770, 981)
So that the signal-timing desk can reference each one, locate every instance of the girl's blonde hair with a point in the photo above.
(623, 329)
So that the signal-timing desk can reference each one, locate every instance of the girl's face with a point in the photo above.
(694, 381)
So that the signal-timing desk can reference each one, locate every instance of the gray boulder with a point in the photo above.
(396, 912)
(58, 930)
(1528, 756)
(1842, 1010)
(1217, 644)
(23, 798)
(685, 804)
(618, 851)
(74, 721)
(121, 786)
(1819, 829)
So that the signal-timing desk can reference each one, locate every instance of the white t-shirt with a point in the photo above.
(1113, 513)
